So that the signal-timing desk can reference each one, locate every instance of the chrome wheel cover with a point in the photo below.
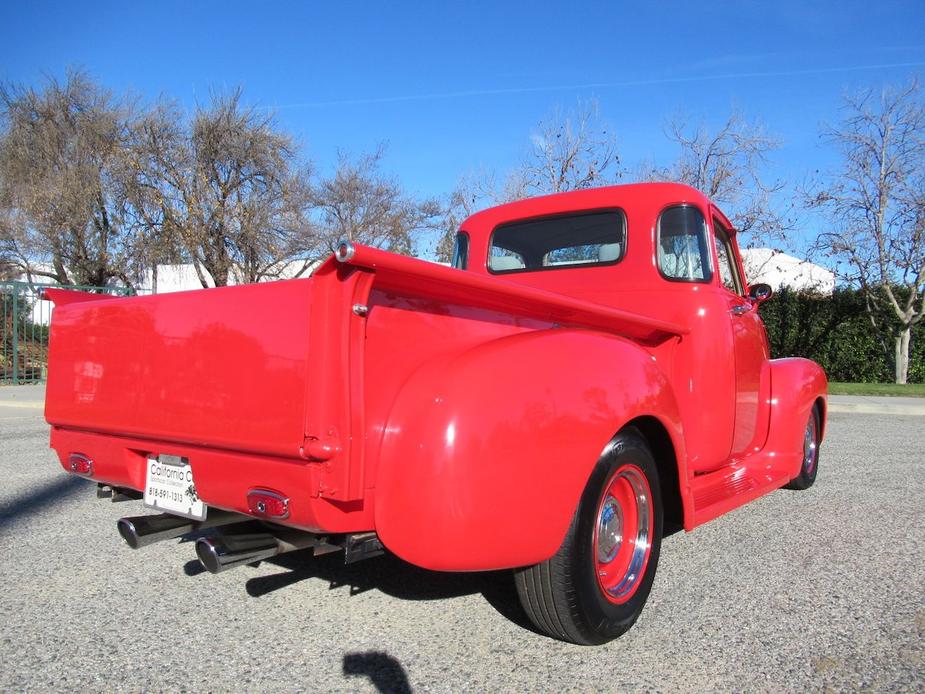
(624, 518)
(810, 446)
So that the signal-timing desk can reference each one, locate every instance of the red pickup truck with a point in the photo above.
(591, 371)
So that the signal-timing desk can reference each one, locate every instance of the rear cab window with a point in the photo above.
(563, 241)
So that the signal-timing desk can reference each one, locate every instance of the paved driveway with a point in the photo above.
(800, 590)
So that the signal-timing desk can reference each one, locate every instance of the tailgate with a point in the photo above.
(222, 367)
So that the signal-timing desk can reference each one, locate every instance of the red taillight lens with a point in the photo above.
(80, 464)
(267, 504)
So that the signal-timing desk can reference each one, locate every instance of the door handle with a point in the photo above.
(740, 309)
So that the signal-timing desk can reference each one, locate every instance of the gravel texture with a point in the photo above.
(822, 589)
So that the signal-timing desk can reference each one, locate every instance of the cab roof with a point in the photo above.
(635, 199)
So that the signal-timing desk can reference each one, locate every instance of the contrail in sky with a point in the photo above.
(590, 85)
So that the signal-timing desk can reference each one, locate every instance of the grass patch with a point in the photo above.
(909, 390)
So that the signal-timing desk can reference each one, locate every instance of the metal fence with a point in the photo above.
(25, 318)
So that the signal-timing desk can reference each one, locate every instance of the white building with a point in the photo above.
(181, 278)
(781, 270)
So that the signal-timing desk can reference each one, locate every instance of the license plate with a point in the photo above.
(169, 487)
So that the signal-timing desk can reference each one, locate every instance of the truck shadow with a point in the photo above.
(384, 671)
(391, 576)
(42, 497)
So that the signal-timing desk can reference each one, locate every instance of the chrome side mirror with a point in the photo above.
(760, 292)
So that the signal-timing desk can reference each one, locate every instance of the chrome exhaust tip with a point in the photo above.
(217, 554)
(141, 531)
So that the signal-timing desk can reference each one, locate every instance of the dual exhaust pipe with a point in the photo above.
(141, 531)
(217, 554)
(220, 553)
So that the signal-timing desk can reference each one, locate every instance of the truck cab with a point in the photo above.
(672, 255)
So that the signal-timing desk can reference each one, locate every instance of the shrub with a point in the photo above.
(836, 332)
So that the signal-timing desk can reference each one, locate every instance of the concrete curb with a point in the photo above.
(878, 409)
(867, 404)
(24, 405)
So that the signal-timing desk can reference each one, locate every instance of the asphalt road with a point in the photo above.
(823, 589)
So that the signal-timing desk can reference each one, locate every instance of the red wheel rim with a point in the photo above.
(622, 534)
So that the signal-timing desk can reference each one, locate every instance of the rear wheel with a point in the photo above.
(810, 454)
(594, 588)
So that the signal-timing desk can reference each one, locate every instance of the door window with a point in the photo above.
(725, 260)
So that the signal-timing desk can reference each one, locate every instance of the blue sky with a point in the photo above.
(455, 87)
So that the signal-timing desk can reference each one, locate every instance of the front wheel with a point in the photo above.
(810, 453)
(594, 588)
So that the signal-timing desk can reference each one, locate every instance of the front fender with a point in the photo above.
(796, 385)
(486, 453)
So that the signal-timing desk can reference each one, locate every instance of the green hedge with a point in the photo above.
(836, 332)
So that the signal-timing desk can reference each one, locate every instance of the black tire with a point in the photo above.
(810, 465)
(563, 596)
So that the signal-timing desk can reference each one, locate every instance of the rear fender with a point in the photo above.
(796, 386)
(486, 453)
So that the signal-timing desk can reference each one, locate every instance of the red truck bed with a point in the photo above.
(224, 368)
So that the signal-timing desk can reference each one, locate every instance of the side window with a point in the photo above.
(726, 266)
(683, 253)
(461, 251)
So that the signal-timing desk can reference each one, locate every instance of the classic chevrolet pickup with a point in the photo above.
(591, 371)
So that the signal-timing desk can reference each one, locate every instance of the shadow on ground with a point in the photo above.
(43, 497)
(384, 672)
(390, 575)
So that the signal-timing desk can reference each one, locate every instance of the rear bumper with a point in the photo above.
(222, 478)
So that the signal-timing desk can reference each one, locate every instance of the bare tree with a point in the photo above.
(470, 192)
(727, 165)
(8, 266)
(61, 154)
(154, 175)
(875, 200)
(362, 204)
(222, 191)
(10, 231)
(569, 150)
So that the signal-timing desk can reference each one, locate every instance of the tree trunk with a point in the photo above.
(219, 275)
(902, 354)
(60, 271)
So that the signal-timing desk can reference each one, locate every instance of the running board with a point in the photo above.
(723, 490)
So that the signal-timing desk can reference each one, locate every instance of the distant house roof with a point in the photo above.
(781, 270)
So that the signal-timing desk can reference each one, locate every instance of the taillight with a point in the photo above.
(80, 464)
(267, 504)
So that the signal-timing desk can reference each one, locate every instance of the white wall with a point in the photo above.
(181, 278)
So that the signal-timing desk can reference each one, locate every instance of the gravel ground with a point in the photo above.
(823, 589)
